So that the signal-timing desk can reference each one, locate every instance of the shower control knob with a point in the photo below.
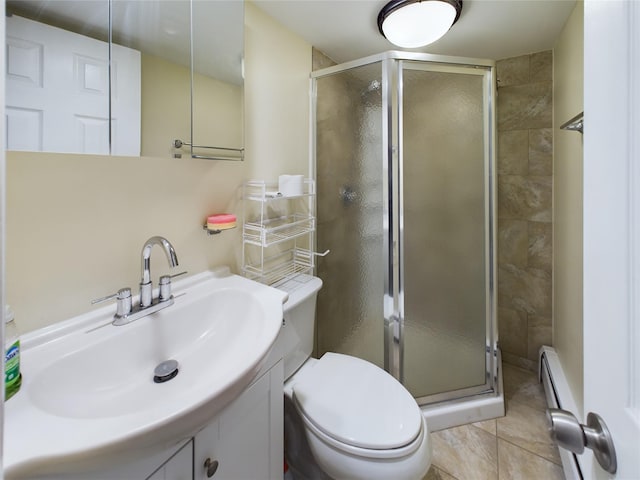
(569, 434)
(348, 195)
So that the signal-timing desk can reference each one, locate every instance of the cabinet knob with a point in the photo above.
(211, 466)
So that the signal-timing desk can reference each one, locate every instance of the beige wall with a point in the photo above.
(277, 66)
(567, 208)
(76, 223)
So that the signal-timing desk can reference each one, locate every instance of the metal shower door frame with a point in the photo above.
(486, 70)
(392, 64)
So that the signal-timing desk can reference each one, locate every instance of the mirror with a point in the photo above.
(160, 30)
(57, 76)
(217, 73)
(153, 83)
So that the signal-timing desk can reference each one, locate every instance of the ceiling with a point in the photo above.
(492, 29)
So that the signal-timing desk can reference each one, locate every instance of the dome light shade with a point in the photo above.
(416, 23)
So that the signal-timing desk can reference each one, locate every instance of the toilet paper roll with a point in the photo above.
(291, 185)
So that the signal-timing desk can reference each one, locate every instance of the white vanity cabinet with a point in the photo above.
(178, 467)
(245, 442)
(173, 463)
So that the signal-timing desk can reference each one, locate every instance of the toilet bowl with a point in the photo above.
(358, 421)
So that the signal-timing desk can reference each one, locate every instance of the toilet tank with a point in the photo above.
(296, 336)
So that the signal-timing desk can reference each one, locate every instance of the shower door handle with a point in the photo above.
(569, 434)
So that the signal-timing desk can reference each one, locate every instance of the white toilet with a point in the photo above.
(352, 419)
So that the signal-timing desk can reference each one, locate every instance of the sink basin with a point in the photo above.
(95, 381)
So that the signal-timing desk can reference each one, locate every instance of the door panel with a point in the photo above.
(444, 230)
(612, 229)
(350, 224)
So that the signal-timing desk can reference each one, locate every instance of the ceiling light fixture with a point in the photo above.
(416, 23)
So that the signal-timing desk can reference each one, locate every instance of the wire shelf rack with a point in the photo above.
(282, 266)
(278, 232)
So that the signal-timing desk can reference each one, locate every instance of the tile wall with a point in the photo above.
(525, 168)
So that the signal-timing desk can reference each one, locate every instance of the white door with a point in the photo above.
(612, 228)
(57, 86)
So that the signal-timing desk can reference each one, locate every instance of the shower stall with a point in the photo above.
(404, 161)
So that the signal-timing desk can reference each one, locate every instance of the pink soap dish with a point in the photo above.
(217, 223)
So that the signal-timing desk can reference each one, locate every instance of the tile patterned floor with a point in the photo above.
(514, 447)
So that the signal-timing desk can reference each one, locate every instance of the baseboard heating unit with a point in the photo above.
(559, 395)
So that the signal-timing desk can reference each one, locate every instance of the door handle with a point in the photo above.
(569, 434)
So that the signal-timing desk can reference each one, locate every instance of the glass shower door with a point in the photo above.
(349, 165)
(444, 229)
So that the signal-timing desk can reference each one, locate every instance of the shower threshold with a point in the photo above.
(476, 408)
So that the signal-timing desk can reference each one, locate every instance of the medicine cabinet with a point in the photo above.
(120, 77)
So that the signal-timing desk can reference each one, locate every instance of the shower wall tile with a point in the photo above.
(526, 290)
(539, 333)
(541, 67)
(540, 152)
(512, 359)
(512, 326)
(513, 154)
(525, 106)
(525, 169)
(525, 197)
(513, 71)
(540, 239)
(513, 242)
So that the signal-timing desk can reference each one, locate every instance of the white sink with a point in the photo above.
(88, 396)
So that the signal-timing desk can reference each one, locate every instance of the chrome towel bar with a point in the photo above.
(177, 143)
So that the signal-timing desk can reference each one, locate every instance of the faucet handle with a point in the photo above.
(123, 301)
(165, 286)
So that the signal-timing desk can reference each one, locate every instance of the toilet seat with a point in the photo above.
(358, 407)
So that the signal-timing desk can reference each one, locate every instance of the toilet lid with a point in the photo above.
(358, 403)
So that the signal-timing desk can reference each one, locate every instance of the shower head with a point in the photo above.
(373, 88)
(374, 85)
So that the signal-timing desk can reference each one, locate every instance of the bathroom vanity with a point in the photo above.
(89, 407)
(244, 441)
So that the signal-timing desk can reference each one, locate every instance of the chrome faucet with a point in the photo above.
(126, 312)
(146, 287)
